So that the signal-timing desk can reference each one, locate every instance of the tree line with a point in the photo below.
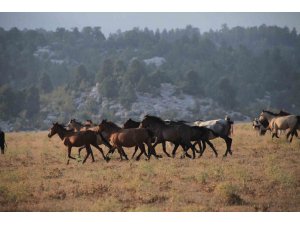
(234, 66)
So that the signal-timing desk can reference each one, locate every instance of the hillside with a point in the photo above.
(178, 74)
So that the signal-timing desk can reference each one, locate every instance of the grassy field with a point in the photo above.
(262, 175)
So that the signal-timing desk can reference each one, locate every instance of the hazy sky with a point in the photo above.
(111, 22)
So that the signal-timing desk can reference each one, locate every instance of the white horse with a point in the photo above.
(222, 127)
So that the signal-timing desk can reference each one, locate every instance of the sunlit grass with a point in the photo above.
(262, 175)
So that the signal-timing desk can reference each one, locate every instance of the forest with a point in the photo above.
(240, 69)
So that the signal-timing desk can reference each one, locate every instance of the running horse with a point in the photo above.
(130, 137)
(280, 121)
(75, 125)
(178, 134)
(222, 128)
(77, 139)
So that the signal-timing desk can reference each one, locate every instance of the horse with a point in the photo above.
(280, 121)
(258, 127)
(134, 124)
(77, 139)
(131, 124)
(88, 125)
(2, 141)
(178, 134)
(222, 128)
(78, 126)
(130, 137)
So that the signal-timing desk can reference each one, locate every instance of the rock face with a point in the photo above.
(168, 104)
(157, 61)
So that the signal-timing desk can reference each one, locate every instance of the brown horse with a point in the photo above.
(178, 134)
(75, 125)
(127, 138)
(134, 124)
(77, 139)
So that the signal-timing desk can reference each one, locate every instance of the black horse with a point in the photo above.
(2, 141)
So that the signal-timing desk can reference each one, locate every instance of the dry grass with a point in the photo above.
(262, 175)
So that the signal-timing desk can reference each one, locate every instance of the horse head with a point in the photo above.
(53, 129)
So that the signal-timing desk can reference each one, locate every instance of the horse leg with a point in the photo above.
(79, 150)
(110, 152)
(151, 149)
(121, 151)
(212, 147)
(135, 150)
(143, 151)
(164, 148)
(288, 134)
(296, 133)
(185, 151)
(228, 141)
(292, 134)
(188, 146)
(100, 150)
(204, 147)
(174, 150)
(69, 155)
(88, 151)
(199, 145)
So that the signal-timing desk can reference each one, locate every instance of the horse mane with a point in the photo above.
(131, 120)
(60, 125)
(281, 113)
(155, 118)
(269, 112)
(110, 123)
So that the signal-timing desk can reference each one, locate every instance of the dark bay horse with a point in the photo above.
(203, 135)
(130, 137)
(178, 134)
(135, 124)
(2, 141)
(77, 139)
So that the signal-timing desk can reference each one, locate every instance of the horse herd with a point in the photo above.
(153, 130)
(277, 122)
(150, 132)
